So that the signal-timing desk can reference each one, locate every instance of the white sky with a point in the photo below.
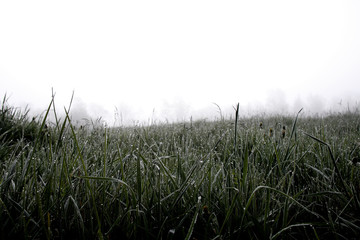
(173, 59)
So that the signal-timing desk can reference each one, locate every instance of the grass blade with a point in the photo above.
(194, 219)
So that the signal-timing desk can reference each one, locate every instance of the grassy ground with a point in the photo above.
(255, 178)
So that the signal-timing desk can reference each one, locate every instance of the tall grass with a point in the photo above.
(200, 180)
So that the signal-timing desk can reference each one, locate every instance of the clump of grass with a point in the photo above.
(198, 180)
(14, 124)
(16, 130)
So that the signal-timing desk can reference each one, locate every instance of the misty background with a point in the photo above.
(156, 61)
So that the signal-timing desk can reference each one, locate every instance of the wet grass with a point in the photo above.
(225, 179)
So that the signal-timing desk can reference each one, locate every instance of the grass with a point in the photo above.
(225, 179)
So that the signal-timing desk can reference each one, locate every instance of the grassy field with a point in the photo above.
(266, 177)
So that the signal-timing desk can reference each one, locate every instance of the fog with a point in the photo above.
(179, 110)
(159, 61)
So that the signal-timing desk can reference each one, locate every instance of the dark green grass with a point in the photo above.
(225, 179)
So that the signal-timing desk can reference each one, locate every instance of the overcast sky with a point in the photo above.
(141, 60)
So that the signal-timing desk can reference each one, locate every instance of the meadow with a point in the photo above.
(261, 177)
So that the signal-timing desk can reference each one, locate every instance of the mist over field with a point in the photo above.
(158, 61)
(179, 110)
(246, 164)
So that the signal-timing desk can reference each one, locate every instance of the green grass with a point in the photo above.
(225, 179)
